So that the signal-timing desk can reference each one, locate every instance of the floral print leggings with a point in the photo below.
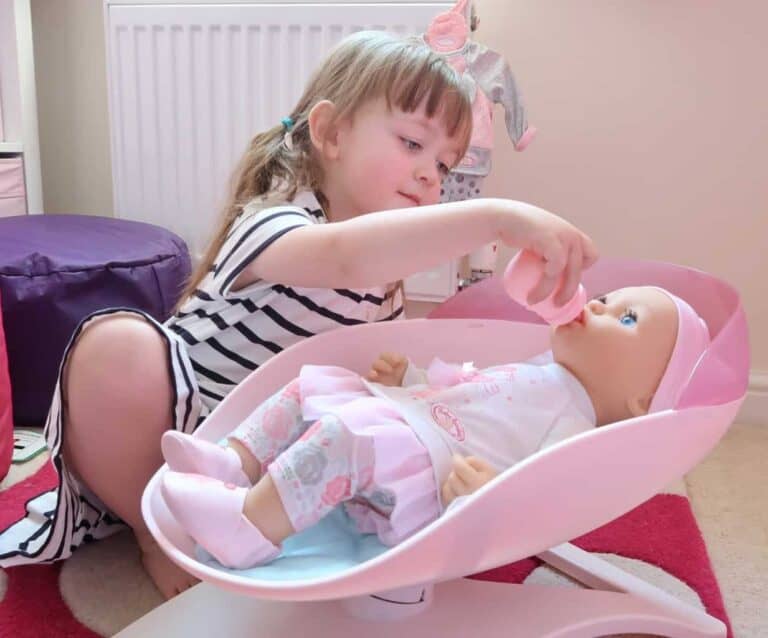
(315, 466)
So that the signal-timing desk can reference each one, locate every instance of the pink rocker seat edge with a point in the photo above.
(566, 490)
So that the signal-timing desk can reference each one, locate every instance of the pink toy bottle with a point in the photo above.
(522, 274)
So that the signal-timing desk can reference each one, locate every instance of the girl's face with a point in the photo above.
(387, 160)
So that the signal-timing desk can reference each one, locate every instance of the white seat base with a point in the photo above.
(458, 609)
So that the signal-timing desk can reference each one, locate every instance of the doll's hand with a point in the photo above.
(469, 475)
(388, 369)
(566, 250)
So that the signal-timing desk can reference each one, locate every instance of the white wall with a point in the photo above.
(70, 65)
(653, 120)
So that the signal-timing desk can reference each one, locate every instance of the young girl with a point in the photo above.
(327, 208)
(395, 455)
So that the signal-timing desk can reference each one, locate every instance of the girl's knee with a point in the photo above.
(122, 346)
(116, 393)
(117, 339)
(118, 356)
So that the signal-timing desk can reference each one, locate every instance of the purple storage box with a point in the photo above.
(57, 269)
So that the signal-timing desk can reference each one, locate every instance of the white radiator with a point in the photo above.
(191, 83)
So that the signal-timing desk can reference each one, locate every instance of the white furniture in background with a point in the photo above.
(21, 188)
(190, 83)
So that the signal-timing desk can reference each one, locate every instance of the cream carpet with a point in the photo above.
(728, 496)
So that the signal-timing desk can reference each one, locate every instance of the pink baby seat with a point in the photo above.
(565, 490)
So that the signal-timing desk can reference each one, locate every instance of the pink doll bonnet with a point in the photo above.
(448, 30)
(691, 343)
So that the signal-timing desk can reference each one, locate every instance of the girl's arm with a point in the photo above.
(382, 247)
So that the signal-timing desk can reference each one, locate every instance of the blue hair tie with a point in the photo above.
(287, 123)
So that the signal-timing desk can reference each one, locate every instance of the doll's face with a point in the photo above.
(621, 343)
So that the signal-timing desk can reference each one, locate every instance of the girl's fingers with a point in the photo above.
(553, 253)
(588, 251)
(572, 276)
(563, 260)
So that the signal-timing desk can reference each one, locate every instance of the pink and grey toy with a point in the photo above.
(489, 81)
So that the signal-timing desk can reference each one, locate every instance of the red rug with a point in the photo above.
(661, 534)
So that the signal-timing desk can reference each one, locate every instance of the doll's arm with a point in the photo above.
(397, 370)
(389, 369)
(468, 475)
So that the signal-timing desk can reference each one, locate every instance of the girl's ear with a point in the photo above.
(323, 130)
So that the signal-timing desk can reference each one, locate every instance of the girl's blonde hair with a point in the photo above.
(364, 66)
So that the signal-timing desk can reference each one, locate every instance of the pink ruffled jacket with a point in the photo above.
(490, 81)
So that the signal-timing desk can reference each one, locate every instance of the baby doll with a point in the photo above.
(399, 445)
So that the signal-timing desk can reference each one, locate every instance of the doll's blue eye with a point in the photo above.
(629, 318)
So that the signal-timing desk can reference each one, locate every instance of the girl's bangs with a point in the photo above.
(435, 84)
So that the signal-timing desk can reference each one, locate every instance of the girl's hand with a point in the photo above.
(566, 250)
(388, 369)
(469, 474)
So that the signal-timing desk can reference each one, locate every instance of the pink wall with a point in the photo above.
(653, 129)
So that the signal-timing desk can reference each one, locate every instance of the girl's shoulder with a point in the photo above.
(304, 202)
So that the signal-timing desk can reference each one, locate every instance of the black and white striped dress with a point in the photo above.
(217, 338)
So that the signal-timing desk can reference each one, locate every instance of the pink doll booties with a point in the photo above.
(185, 453)
(211, 512)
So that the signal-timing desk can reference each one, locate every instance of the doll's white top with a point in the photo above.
(501, 414)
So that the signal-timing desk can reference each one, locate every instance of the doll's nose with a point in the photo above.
(596, 307)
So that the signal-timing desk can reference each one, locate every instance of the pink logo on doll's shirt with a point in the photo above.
(446, 420)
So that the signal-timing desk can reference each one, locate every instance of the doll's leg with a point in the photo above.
(266, 432)
(186, 453)
(329, 464)
(241, 528)
(269, 430)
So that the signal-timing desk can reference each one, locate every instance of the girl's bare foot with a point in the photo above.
(169, 578)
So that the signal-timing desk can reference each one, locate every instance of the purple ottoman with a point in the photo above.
(57, 269)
